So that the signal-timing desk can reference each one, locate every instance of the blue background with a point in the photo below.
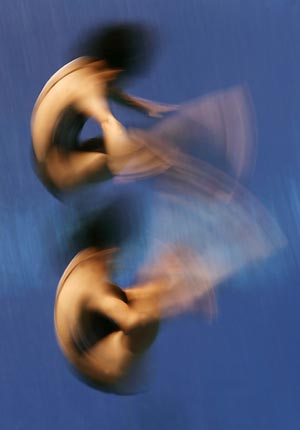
(240, 372)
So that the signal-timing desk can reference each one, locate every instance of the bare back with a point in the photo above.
(92, 342)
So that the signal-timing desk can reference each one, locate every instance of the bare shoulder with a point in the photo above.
(84, 261)
(66, 70)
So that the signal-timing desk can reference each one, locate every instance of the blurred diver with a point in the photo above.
(80, 90)
(212, 226)
(104, 330)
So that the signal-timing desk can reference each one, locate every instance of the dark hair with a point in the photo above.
(124, 46)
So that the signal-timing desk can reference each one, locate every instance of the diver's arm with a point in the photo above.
(118, 311)
(152, 108)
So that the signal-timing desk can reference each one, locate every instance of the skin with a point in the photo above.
(85, 291)
(86, 85)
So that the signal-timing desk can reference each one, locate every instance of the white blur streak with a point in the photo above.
(213, 226)
(222, 123)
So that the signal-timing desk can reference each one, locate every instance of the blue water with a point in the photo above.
(240, 372)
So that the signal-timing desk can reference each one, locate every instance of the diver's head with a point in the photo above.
(125, 46)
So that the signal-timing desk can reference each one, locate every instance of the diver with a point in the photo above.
(80, 90)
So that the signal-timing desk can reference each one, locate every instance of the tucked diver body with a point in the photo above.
(99, 327)
(126, 322)
(103, 330)
(75, 93)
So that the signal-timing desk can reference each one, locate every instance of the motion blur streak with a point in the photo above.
(207, 228)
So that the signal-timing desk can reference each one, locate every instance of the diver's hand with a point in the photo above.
(157, 110)
(153, 109)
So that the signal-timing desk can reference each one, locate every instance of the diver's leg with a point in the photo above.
(73, 168)
(129, 154)
(119, 145)
(89, 273)
(130, 316)
(116, 137)
(138, 324)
